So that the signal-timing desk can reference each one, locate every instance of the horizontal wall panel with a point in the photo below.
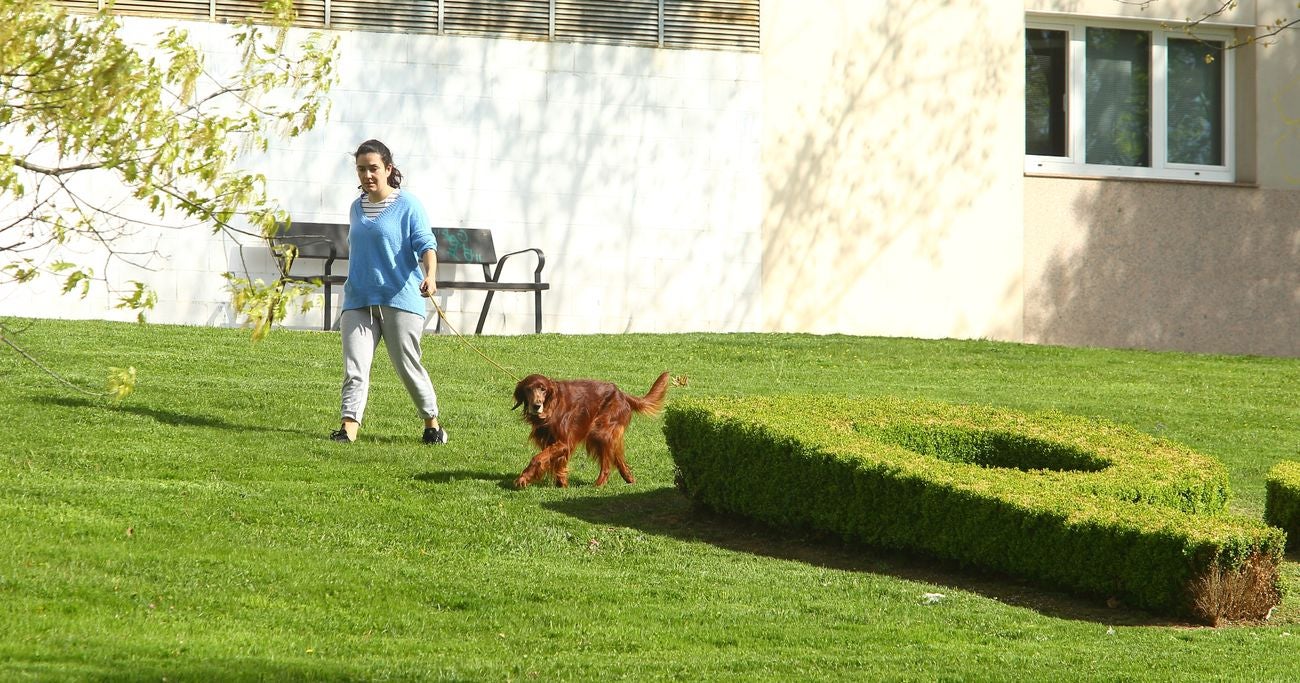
(308, 12)
(81, 6)
(389, 15)
(180, 9)
(528, 18)
(711, 24)
(633, 22)
(708, 24)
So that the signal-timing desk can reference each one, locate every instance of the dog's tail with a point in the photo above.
(653, 401)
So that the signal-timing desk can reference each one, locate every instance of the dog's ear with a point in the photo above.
(519, 395)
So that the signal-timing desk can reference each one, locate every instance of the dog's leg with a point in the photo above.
(598, 448)
(607, 449)
(617, 455)
(561, 471)
(540, 464)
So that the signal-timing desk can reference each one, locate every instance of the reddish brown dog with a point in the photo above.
(565, 413)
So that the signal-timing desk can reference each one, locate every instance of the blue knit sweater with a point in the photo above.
(384, 256)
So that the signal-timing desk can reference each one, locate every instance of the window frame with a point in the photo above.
(1073, 163)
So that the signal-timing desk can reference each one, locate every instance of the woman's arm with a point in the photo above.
(429, 264)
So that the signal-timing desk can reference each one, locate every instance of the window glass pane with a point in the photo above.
(1118, 111)
(1195, 102)
(1045, 91)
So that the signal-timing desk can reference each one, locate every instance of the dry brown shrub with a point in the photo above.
(1246, 593)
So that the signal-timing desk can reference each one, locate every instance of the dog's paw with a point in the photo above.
(521, 483)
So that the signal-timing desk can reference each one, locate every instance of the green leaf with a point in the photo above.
(121, 382)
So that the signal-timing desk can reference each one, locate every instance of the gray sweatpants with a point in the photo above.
(401, 331)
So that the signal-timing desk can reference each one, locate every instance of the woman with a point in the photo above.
(391, 264)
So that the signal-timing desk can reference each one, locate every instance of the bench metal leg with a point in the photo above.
(482, 316)
(537, 310)
(325, 323)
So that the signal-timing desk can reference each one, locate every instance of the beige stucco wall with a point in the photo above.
(892, 149)
(1212, 269)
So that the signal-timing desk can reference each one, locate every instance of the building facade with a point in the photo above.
(1068, 172)
(939, 170)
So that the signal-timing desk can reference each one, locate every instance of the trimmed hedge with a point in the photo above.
(1076, 503)
(1282, 500)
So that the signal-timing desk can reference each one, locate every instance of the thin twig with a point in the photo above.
(5, 338)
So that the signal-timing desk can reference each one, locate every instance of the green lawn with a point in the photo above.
(206, 529)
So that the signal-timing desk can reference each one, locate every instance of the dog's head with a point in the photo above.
(532, 393)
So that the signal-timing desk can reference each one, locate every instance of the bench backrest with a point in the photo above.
(455, 245)
(315, 239)
(465, 245)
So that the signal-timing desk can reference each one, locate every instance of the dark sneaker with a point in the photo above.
(434, 435)
(340, 435)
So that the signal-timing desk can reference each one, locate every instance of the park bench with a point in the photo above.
(473, 246)
(328, 242)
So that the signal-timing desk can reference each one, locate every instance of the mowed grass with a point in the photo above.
(205, 529)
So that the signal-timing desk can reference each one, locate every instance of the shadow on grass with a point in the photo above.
(502, 480)
(143, 668)
(666, 512)
(162, 416)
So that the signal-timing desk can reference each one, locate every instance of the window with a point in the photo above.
(1117, 100)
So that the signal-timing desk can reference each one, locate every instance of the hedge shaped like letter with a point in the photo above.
(1081, 504)
(1282, 500)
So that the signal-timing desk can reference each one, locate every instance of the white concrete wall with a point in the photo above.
(636, 170)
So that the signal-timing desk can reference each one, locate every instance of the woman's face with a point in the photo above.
(373, 173)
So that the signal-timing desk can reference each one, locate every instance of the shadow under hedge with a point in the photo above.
(666, 512)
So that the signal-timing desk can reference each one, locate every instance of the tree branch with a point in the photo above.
(55, 172)
(4, 337)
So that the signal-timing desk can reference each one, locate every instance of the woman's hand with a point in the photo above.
(428, 287)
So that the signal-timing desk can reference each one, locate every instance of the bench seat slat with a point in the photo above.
(499, 286)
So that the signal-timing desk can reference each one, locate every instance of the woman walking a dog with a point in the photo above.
(391, 267)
